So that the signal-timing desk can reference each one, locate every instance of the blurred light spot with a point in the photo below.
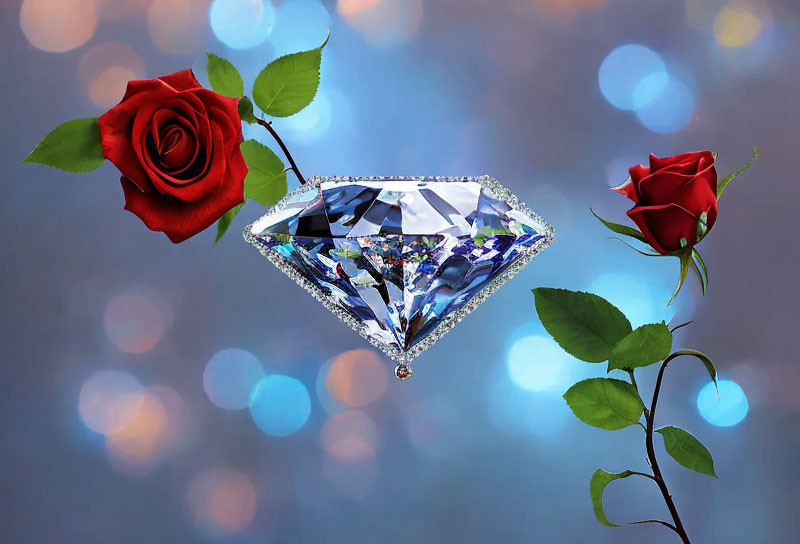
(617, 169)
(222, 501)
(242, 24)
(178, 418)
(330, 404)
(300, 25)
(736, 26)
(280, 405)
(352, 8)
(136, 447)
(113, 10)
(729, 409)
(109, 400)
(357, 378)
(383, 23)
(352, 481)
(57, 26)
(133, 323)
(632, 76)
(670, 111)
(310, 123)
(536, 363)
(548, 197)
(108, 88)
(641, 301)
(516, 411)
(745, 48)
(437, 429)
(230, 378)
(105, 70)
(567, 9)
(178, 26)
(700, 13)
(349, 436)
(755, 378)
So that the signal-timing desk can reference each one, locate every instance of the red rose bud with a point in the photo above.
(675, 199)
(177, 146)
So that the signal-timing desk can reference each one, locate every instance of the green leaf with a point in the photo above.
(700, 268)
(584, 325)
(646, 345)
(685, 257)
(606, 403)
(266, 178)
(288, 84)
(621, 229)
(224, 77)
(600, 479)
(712, 371)
(73, 146)
(687, 450)
(727, 179)
(225, 222)
(245, 107)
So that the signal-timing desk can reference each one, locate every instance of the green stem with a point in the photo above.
(268, 125)
(649, 416)
(651, 453)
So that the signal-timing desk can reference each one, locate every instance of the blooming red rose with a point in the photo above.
(675, 199)
(177, 146)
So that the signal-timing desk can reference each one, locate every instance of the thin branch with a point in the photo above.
(651, 453)
(659, 521)
(268, 125)
(673, 329)
(648, 476)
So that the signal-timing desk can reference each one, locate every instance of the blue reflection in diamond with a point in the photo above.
(399, 255)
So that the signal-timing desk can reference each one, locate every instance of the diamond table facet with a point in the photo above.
(400, 260)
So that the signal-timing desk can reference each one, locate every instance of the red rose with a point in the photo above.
(675, 199)
(177, 146)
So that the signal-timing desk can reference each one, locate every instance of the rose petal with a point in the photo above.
(181, 81)
(638, 172)
(185, 104)
(116, 125)
(230, 108)
(138, 86)
(205, 181)
(627, 188)
(164, 121)
(177, 219)
(177, 149)
(666, 187)
(682, 163)
(664, 226)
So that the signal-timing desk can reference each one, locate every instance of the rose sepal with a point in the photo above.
(730, 177)
(620, 229)
(700, 269)
(687, 257)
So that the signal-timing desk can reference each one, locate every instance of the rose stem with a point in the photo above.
(651, 453)
(267, 125)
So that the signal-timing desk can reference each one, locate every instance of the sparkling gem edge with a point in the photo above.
(487, 182)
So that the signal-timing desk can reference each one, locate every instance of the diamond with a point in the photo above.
(401, 260)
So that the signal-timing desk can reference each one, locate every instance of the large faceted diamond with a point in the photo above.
(400, 260)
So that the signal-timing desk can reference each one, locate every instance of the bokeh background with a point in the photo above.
(160, 393)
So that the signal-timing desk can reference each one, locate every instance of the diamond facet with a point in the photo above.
(400, 260)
